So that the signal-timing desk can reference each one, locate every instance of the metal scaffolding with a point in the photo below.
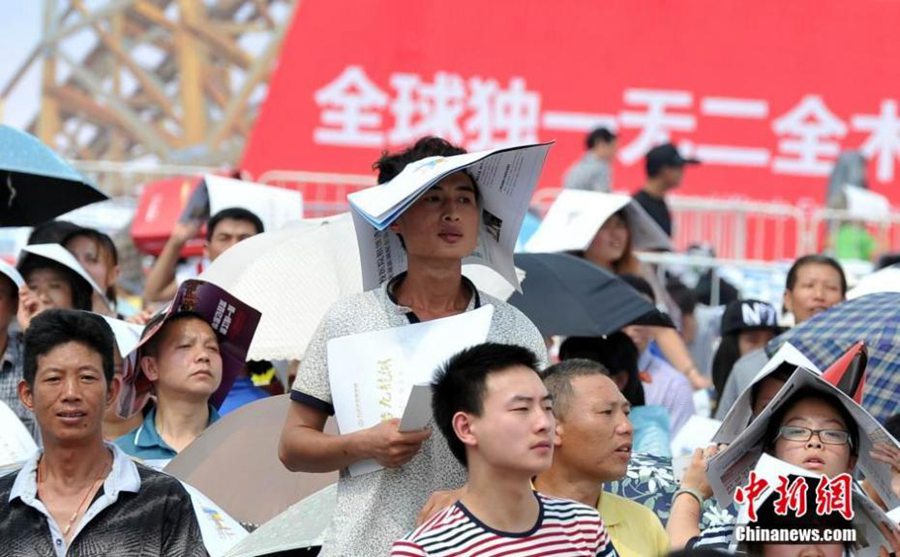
(173, 81)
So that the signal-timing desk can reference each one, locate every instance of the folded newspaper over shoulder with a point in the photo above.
(866, 514)
(417, 413)
(742, 410)
(506, 180)
(696, 433)
(576, 215)
(730, 468)
(16, 443)
(372, 374)
(220, 532)
(274, 206)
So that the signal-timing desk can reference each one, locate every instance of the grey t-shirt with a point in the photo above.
(375, 509)
(589, 173)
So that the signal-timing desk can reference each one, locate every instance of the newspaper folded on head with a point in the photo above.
(506, 179)
(730, 468)
(867, 515)
(741, 411)
(576, 215)
(372, 374)
(274, 206)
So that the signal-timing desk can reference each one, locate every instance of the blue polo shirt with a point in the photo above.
(146, 444)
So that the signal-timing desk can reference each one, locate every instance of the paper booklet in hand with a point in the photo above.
(506, 179)
(377, 376)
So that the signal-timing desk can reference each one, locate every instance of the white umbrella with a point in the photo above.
(292, 276)
(235, 463)
(883, 280)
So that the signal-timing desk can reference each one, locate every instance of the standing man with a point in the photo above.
(594, 171)
(79, 496)
(497, 418)
(223, 230)
(665, 169)
(593, 446)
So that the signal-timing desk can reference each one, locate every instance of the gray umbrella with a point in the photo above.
(568, 296)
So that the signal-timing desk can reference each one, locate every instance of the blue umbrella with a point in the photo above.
(874, 319)
(36, 184)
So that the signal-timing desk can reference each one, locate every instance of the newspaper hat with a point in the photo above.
(506, 179)
(233, 321)
(128, 335)
(11, 273)
(61, 255)
(575, 217)
(729, 469)
(867, 515)
(742, 410)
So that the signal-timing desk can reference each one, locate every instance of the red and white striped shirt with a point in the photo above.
(563, 528)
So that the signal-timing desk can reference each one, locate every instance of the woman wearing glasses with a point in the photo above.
(812, 430)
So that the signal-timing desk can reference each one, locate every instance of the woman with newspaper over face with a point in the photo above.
(809, 426)
(456, 204)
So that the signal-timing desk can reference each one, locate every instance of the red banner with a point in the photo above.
(766, 93)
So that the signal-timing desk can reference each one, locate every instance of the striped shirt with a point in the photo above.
(563, 527)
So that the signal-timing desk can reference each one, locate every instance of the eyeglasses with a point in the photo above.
(826, 436)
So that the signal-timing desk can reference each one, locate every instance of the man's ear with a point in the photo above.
(558, 434)
(112, 390)
(464, 428)
(26, 394)
(149, 367)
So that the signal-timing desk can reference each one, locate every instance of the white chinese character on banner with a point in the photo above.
(813, 129)
(501, 117)
(355, 120)
(427, 108)
(884, 141)
(654, 123)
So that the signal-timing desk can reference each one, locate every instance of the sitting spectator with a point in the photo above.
(79, 496)
(747, 325)
(593, 446)
(663, 384)
(182, 360)
(497, 418)
(814, 284)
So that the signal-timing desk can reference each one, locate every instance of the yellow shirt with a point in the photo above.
(634, 529)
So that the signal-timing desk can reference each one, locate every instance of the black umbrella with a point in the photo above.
(36, 184)
(568, 296)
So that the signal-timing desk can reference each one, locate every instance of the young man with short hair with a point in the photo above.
(497, 417)
(79, 496)
(665, 170)
(593, 446)
(183, 362)
(223, 230)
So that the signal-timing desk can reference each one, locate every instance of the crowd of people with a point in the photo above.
(533, 439)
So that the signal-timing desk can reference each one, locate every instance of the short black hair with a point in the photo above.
(51, 232)
(774, 425)
(82, 291)
(102, 240)
(599, 135)
(233, 213)
(639, 284)
(815, 259)
(459, 385)
(616, 352)
(558, 380)
(55, 327)
(389, 165)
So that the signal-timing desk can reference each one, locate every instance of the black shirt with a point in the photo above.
(656, 207)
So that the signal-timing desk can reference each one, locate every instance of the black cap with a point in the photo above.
(665, 155)
(749, 315)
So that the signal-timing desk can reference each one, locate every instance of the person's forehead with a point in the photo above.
(234, 226)
(813, 410)
(457, 180)
(517, 381)
(595, 387)
(812, 271)
(70, 355)
(45, 273)
(185, 326)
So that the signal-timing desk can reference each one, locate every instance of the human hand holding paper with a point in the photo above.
(389, 446)
(890, 455)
